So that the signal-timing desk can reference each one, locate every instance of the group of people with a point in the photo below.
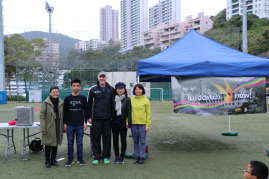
(107, 109)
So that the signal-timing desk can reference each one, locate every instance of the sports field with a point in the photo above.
(180, 147)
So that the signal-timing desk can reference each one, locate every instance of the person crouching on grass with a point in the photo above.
(141, 121)
(122, 112)
(75, 121)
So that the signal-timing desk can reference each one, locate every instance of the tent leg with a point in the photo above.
(138, 79)
(229, 123)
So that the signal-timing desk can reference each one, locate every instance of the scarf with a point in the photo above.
(118, 103)
(55, 103)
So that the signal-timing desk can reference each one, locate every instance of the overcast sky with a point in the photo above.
(80, 18)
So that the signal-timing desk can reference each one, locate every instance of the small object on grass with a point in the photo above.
(60, 159)
(169, 142)
(25, 159)
(130, 135)
(132, 155)
(267, 152)
(230, 133)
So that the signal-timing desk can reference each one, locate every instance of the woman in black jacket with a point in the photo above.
(121, 120)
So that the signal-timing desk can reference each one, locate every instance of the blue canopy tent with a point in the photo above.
(198, 56)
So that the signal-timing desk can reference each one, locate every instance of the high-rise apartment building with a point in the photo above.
(258, 7)
(45, 51)
(163, 12)
(109, 23)
(134, 21)
(154, 15)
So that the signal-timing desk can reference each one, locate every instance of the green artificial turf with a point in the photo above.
(180, 146)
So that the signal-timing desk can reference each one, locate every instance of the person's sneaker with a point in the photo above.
(81, 162)
(121, 160)
(136, 160)
(116, 160)
(95, 162)
(141, 160)
(106, 161)
(69, 163)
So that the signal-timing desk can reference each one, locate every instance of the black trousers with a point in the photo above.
(116, 130)
(101, 128)
(50, 152)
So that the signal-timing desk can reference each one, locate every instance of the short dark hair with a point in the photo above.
(54, 87)
(115, 92)
(139, 86)
(259, 169)
(75, 80)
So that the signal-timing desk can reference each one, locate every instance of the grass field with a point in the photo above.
(199, 150)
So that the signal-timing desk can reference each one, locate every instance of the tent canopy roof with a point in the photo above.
(195, 55)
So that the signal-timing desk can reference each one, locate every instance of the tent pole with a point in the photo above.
(138, 79)
(229, 123)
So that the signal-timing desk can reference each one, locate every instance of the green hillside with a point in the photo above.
(229, 33)
(65, 42)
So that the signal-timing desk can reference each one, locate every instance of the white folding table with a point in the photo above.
(35, 125)
(8, 127)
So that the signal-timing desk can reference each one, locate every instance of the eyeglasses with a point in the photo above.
(246, 170)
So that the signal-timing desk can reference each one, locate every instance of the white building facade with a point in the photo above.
(81, 46)
(163, 12)
(109, 23)
(258, 7)
(93, 44)
(134, 21)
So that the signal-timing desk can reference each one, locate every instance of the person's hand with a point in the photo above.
(127, 126)
(90, 120)
(65, 128)
(85, 126)
(44, 132)
(147, 128)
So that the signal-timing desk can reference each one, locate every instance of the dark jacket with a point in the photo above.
(125, 110)
(100, 103)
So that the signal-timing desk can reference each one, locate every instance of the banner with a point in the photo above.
(217, 96)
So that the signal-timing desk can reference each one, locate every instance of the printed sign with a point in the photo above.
(217, 96)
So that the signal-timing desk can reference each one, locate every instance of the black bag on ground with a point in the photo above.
(35, 145)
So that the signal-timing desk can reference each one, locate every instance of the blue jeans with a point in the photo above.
(71, 132)
(139, 134)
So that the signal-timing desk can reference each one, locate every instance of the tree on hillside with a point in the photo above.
(22, 53)
(92, 55)
(111, 42)
(229, 32)
(111, 51)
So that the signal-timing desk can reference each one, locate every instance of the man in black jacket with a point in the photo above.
(100, 103)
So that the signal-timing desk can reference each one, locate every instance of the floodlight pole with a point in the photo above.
(245, 32)
(49, 10)
(2, 61)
